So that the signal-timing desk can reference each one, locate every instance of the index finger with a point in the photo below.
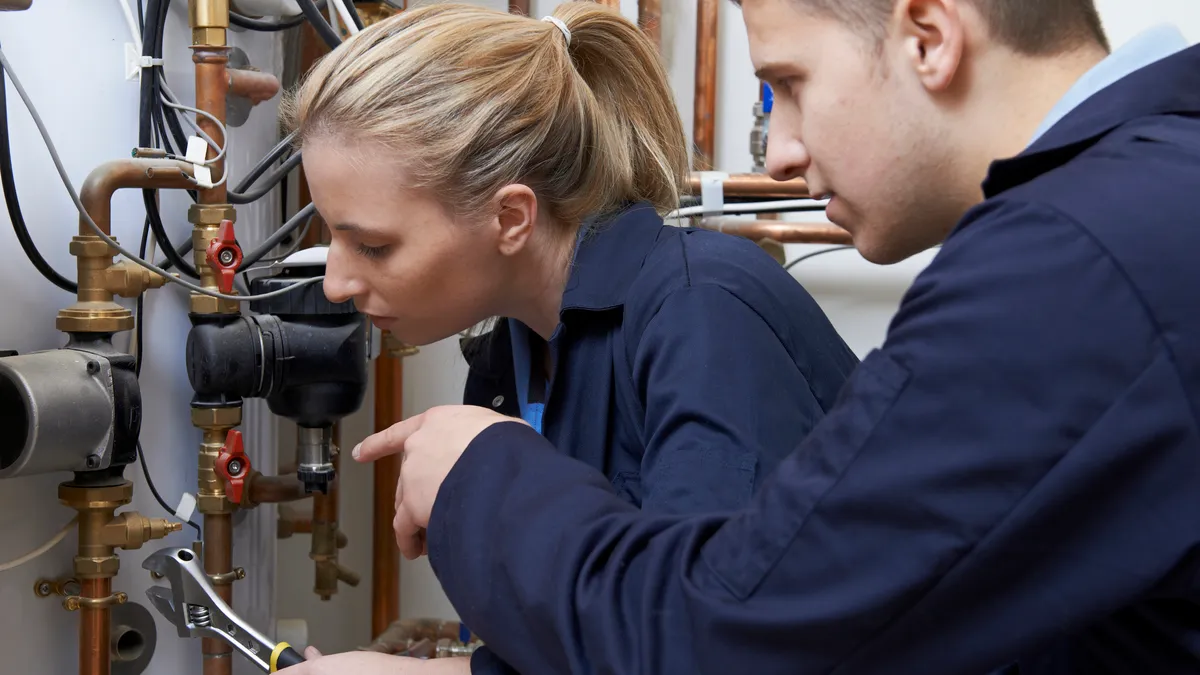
(387, 442)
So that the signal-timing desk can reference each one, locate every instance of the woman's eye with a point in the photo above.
(371, 251)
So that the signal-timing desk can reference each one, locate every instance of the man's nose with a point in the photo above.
(341, 282)
(787, 156)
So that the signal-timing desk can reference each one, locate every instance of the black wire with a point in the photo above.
(327, 33)
(14, 205)
(278, 176)
(157, 497)
(354, 14)
(262, 26)
(301, 218)
(814, 254)
(281, 148)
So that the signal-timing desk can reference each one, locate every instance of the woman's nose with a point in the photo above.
(341, 282)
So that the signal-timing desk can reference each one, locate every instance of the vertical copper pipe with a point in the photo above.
(385, 573)
(94, 629)
(650, 19)
(325, 524)
(212, 83)
(218, 559)
(705, 114)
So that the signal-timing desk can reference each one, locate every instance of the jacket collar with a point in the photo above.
(609, 257)
(1169, 86)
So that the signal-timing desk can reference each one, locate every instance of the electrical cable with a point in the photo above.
(814, 254)
(264, 26)
(277, 177)
(158, 498)
(324, 30)
(14, 205)
(348, 16)
(265, 163)
(784, 206)
(302, 217)
(87, 218)
(41, 550)
(133, 24)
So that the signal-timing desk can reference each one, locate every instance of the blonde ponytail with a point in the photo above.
(471, 100)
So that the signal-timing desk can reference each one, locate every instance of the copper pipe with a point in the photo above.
(704, 127)
(252, 84)
(518, 7)
(756, 185)
(782, 232)
(106, 179)
(324, 550)
(650, 19)
(95, 629)
(273, 489)
(286, 527)
(385, 571)
(218, 560)
(212, 83)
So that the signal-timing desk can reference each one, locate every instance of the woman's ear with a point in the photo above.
(516, 217)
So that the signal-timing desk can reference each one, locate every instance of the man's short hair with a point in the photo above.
(1030, 27)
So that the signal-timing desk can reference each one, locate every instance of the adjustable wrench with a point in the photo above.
(192, 604)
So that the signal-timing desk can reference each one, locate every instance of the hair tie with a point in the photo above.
(561, 26)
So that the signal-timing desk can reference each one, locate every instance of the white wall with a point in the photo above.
(70, 58)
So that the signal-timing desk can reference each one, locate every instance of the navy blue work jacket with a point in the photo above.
(689, 364)
(1011, 482)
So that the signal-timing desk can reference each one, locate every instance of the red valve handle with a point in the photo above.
(224, 255)
(233, 466)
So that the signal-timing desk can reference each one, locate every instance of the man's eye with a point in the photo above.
(371, 251)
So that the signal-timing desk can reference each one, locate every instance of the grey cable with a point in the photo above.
(62, 173)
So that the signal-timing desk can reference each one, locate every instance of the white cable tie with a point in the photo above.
(712, 192)
(197, 150)
(187, 506)
(149, 61)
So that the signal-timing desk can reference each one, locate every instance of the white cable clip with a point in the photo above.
(197, 150)
(149, 61)
(712, 192)
(187, 506)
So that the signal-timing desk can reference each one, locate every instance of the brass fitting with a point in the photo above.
(211, 214)
(209, 20)
(129, 280)
(215, 424)
(93, 310)
(101, 531)
(202, 235)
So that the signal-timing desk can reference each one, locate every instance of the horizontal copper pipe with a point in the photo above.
(756, 185)
(275, 489)
(252, 84)
(286, 527)
(109, 177)
(780, 231)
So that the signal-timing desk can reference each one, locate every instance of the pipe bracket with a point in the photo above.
(75, 602)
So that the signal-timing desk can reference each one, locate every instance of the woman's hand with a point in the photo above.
(430, 444)
(374, 663)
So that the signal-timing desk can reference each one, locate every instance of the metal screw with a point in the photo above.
(226, 256)
(93, 367)
(235, 467)
(93, 461)
(44, 589)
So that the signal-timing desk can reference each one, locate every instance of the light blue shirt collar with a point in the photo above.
(1151, 45)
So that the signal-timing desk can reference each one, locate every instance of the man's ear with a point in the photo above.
(933, 35)
(516, 217)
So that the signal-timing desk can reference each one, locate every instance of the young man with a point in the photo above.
(1010, 484)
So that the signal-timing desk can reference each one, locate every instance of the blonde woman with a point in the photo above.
(475, 164)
